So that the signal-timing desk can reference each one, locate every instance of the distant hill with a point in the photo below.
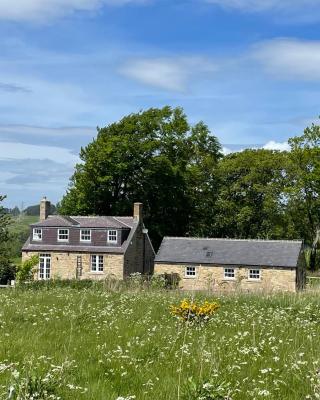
(35, 210)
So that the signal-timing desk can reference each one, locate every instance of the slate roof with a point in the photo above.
(75, 248)
(86, 222)
(273, 253)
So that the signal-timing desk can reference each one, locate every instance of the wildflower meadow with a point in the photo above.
(66, 343)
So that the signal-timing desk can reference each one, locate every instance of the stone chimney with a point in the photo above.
(137, 212)
(45, 206)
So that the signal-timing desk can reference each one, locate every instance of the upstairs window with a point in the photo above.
(229, 273)
(190, 272)
(254, 274)
(63, 235)
(37, 234)
(85, 235)
(96, 263)
(112, 236)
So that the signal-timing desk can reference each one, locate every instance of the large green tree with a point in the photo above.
(303, 189)
(6, 270)
(155, 157)
(251, 201)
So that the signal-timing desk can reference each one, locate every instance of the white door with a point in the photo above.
(44, 266)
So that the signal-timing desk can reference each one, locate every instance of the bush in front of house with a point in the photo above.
(191, 311)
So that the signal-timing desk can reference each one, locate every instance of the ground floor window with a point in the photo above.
(229, 273)
(96, 263)
(190, 272)
(44, 266)
(254, 274)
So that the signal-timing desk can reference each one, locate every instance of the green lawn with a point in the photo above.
(98, 345)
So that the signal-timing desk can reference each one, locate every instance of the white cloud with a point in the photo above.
(266, 5)
(289, 58)
(167, 73)
(272, 145)
(19, 151)
(41, 10)
(30, 130)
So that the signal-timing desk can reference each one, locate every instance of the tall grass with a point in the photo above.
(104, 345)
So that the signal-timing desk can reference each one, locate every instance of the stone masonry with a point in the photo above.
(212, 278)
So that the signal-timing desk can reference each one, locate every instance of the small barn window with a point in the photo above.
(229, 273)
(190, 272)
(254, 274)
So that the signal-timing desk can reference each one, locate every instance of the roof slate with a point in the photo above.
(86, 222)
(271, 253)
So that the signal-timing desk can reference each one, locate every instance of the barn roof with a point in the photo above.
(272, 253)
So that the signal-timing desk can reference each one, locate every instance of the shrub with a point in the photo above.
(25, 271)
(63, 283)
(172, 280)
(190, 311)
(7, 271)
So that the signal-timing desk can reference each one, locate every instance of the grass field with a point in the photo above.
(92, 344)
(19, 229)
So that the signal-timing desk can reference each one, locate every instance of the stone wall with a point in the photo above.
(212, 278)
(63, 265)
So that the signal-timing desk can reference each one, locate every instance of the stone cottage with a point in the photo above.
(227, 264)
(89, 247)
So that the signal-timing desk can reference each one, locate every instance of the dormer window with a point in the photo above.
(85, 235)
(112, 236)
(37, 234)
(63, 235)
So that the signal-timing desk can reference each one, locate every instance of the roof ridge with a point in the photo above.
(123, 223)
(232, 239)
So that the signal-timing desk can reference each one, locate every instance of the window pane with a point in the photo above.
(100, 263)
(63, 234)
(44, 266)
(190, 271)
(86, 235)
(37, 234)
(93, 263)
(112, 236)
(254, 274)
(229, 273)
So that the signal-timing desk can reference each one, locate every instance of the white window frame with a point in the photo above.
(187, 271)
(82, 234)
(229, 274)
(37, 236)
(66, 234)
(111, 233)
(44, 267)
(96, 263)
(253, 271)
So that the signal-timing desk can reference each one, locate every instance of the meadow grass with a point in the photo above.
(94, 344)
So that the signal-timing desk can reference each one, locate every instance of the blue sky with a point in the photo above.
(247, 68)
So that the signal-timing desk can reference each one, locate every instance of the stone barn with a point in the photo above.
(228, 264)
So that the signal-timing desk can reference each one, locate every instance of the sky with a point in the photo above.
(248, 68)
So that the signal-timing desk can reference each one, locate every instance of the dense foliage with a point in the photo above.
(189, 188)
(6, 269)
(154, 157)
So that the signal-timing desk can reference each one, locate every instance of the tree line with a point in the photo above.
(189, 188)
